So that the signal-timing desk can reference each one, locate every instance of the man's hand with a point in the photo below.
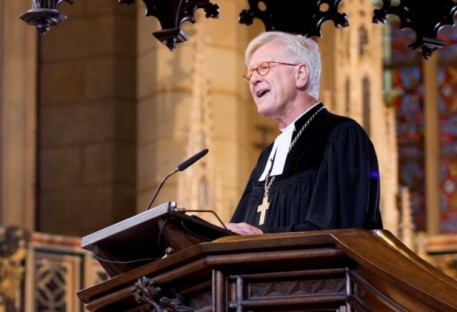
(243, 228)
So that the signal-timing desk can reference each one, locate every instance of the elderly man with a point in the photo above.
(322, 171)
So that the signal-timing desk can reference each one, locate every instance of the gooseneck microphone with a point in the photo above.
(182, 166)
(186, 163)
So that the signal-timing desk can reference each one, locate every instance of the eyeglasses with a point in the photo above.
(263, 69)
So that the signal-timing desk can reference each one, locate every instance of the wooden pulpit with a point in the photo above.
(335, 270)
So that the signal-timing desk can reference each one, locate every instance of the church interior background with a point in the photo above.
(96, 112)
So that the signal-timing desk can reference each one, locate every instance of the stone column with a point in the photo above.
(17, 116)
(432, 146)
(87, 124)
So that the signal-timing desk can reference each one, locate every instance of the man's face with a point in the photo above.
(275, 92)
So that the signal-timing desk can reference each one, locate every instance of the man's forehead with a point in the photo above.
(270, 51)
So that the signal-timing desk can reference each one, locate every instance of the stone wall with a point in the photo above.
(87, 119)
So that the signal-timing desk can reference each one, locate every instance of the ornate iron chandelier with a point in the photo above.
(44, 14)
(424, 17)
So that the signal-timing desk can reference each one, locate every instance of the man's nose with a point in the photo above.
(255, 77)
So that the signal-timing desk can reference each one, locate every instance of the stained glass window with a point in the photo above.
(404, 89)
(447, 105)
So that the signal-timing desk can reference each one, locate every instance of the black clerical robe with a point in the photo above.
(330, 180)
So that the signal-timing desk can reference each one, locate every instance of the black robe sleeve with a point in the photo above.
(346, 191)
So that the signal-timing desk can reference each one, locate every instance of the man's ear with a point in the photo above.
(302, 75)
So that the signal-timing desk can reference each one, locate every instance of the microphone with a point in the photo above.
(182, 166)
(186, 163)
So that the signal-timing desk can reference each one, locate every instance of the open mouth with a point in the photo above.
(262, 92)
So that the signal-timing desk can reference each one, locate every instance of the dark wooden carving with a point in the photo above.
(306, 17)
(146, 291)
(298, 16)
(172, 13)
(44, 14)
(424, 17)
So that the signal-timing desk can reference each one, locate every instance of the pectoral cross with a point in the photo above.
(262, 208)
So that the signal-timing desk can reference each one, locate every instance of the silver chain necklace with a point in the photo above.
(263, 207)
(269, 183)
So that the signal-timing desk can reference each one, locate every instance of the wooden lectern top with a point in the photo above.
(148, 236)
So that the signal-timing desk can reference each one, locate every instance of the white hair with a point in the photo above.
(299, 48)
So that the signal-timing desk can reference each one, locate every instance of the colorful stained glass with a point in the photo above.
(405, 69)
(447, 101)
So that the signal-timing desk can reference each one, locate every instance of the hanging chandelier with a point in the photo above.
(44, 14)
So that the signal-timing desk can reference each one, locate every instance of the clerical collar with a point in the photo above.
(277, 159)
